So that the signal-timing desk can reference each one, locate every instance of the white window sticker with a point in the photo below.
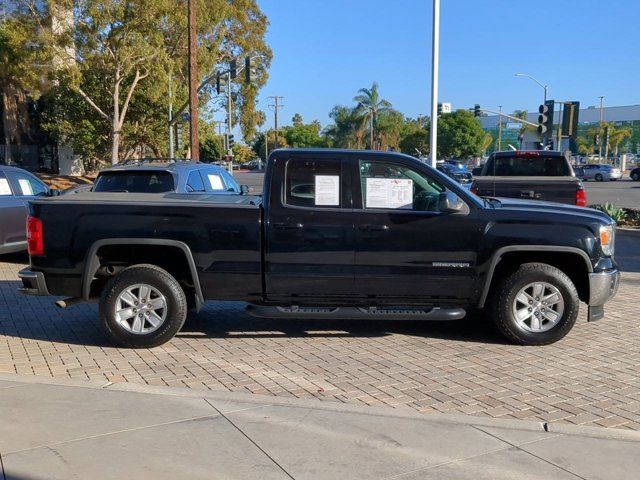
(327, 190)
(4, 187)
(215, 181)
(389, 193)
(25, 186)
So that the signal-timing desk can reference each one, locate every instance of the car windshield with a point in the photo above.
(151, 181)
(529, 166)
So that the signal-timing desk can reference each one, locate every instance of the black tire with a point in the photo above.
(635, 176)
(163, 282)
(599, 177)
(504, 298)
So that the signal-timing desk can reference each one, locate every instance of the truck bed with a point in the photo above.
(550, 189)
(223, 232)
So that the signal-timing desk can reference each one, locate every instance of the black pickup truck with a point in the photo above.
(531, 175)
(336, 234)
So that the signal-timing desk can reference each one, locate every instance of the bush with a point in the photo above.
(618, 214)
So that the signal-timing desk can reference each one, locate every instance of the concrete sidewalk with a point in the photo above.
(62, 430)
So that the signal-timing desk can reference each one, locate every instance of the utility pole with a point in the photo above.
(500, 129)
(435, 65)
(276, 105)
(600, 130)
(229, 125)
(171, 144)
(193, 81)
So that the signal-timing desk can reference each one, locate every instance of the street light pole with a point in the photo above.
(600, 133)
(500, 129)
(435, 65)
(544, 87)
(193, 81)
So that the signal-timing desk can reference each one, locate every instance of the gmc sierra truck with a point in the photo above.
(336, 234)
(529, 175)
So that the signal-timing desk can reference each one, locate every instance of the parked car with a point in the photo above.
(337, 234)
(166, 176)
(635, 174)
(17, 187)
(529, 174)
(460, 175)
(600, 172)
(77, 189)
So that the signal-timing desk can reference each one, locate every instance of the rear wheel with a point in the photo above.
(142, 307)
(536, 305)
(635, 176)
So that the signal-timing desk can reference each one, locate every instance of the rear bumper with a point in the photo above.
(603, 286)
(33, 283)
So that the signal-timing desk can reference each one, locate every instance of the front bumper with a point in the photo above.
(33, 283)
(602, 287)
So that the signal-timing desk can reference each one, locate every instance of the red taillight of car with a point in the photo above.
(474, 190)
(35, 237)
(581, 197)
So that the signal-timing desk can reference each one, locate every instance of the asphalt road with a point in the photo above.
(623, 193)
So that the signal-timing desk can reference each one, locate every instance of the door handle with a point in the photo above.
(287, 226)
(374, 228)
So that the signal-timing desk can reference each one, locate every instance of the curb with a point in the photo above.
(628, 232)
(333, 406)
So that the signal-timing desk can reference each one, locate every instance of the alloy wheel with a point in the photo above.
(538, 307)
(141, 309)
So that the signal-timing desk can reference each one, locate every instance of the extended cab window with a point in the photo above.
(313, 183)
(529, 165)
(135, 182)
(392, 186)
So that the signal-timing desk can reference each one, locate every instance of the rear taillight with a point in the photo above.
(581, 197)
(35, 238)
(474, 190)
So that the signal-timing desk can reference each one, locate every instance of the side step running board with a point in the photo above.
(355, 313)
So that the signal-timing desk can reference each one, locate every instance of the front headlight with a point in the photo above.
(606, 240)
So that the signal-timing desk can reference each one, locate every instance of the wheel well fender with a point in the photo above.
(574, 262)
(93, 261)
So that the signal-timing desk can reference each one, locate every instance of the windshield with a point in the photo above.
(135, 182)
(529, 166)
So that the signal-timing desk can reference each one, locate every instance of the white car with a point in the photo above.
(600, 172)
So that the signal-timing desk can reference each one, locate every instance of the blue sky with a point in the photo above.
(324, 50)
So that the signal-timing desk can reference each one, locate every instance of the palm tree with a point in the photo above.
(616, 137)
(369, 105)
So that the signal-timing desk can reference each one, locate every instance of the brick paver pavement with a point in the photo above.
(592, 377)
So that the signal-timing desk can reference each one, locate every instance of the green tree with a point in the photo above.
(117, 56)
(346, 130)
(460, 135)
(301, 135)
(243, 153)
(369, 105)
(585, 145)
(415, 138)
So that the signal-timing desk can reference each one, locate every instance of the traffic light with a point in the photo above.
(218, 83)
(247, 69)
(606, 135)
(439, 109)
(179, 139)
(231, 142)
(476, 110)
(233, 68)
(545, 119)
(596, 139)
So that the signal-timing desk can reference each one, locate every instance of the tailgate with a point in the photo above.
(549, 189)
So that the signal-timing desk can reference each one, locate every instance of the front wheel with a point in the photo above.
(536, 305)
(142, 307)
(599, 177)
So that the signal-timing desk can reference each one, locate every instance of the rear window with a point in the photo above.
(529, 166)
(135, 182)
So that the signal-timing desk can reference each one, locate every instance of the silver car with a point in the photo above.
(17, 187)
(600, 172)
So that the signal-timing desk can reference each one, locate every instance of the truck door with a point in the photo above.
(407, 250)
(309, 228)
